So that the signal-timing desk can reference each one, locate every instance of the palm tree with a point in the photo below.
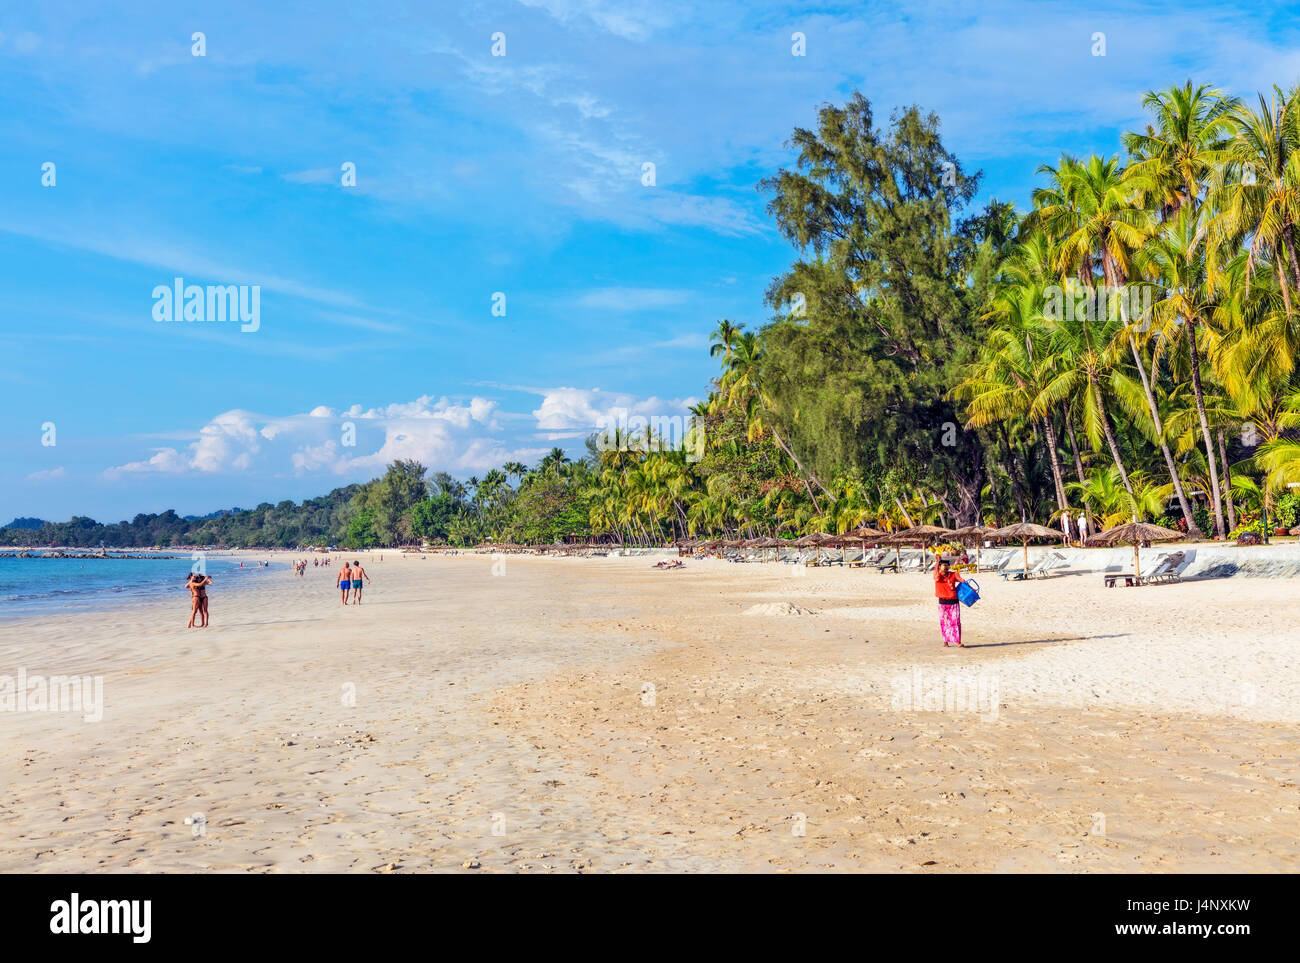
(1082, 362)
(1176, 157)
(1256, 191)
(553, 461)
(723, 339)
(1010, 379)
(1180, 259)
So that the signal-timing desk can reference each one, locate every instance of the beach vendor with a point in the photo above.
(945, 590)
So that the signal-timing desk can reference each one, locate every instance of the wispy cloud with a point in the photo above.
(632, 299)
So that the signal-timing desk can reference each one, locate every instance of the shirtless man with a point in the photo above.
(345, 582)
(198, 586)
(358, 573)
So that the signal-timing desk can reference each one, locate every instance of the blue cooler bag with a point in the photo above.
(968, 593)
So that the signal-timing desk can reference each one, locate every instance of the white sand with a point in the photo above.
(574, 714)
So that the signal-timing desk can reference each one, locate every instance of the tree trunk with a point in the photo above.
(1074, 444)
(803, 475)
(1282, 283)
(1154, 411)
(1288, 241)
(1049, 434)
(1011, 474)
(1227, 482)
(1205, 428)
(1110, 432)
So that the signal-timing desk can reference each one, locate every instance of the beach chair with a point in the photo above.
(1166, 569)
(1046, 564)
(1112, 579)
(869, 558)
(890, 566)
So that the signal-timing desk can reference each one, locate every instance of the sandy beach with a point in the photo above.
(539, 714)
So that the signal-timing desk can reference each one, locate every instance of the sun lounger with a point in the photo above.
(1128, 577)
(884, 567)
(1045, 565)
(1166, 569)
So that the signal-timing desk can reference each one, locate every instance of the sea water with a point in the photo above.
(32, 586)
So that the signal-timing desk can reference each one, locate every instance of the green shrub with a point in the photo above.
(1285, 511)
(1257, 526)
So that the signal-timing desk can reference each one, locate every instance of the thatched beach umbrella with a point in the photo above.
(973, 535)
(814, 541)
(1022, 532)
(858, 536)
(924, 534)
(1137, 533)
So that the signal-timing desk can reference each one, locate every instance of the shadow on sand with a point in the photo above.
(1066, 638)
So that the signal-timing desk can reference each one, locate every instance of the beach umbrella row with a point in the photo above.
(1134, 532)
(1022, 532)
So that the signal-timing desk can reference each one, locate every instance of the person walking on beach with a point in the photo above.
(945, 589)
(358, 573)
(345, 582)
(198, 586)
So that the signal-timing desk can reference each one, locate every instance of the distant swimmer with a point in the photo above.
(345, 582)
(358, 573)
(198, 586)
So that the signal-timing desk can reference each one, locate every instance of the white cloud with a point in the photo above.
(163, 460)
(585, 409)
(632, 299)
(355, 441)
(47, 474)
(626, 20)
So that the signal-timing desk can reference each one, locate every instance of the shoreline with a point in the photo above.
(72, 602)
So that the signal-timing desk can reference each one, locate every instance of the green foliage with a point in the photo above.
(891, 288)
(1284, 513)
(431, 518)
(361, 530)
(1257, 526)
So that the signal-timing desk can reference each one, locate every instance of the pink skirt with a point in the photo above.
(950, 624)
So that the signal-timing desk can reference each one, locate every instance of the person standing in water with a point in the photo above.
(945, 589)
(198, 586)
(345, 582)
(358, 573)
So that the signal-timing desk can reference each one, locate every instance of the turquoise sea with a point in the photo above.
(32, 586)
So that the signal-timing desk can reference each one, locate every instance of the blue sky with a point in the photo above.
(475, 174)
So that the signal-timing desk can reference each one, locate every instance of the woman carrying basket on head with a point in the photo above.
(945, 589)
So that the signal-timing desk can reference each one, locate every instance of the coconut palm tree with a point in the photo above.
(1178, 255)
(1255, 192)
(723, 339)
(1174, 159)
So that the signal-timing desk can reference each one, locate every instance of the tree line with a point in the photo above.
(1125, 347)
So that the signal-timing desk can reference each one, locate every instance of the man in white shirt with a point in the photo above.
(1083, 528)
